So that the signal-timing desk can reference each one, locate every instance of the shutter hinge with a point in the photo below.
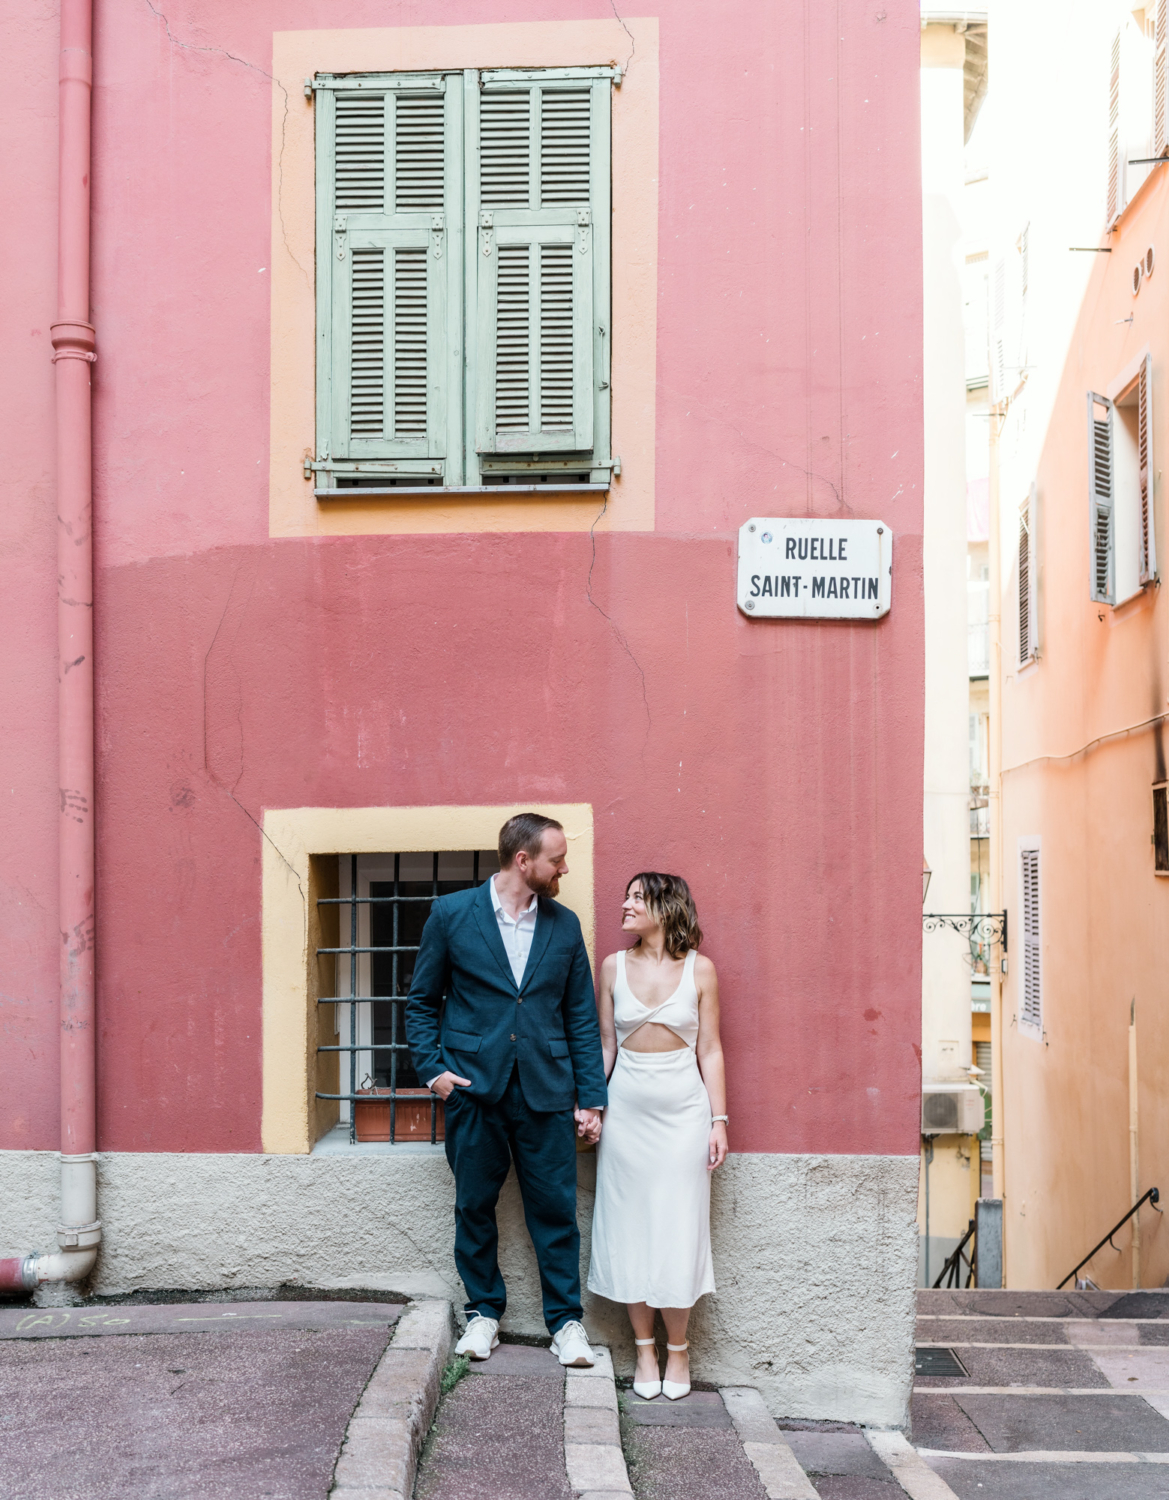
(583, 224)
(486, 230)
(437, 226)
(308, 88)
(340, 227)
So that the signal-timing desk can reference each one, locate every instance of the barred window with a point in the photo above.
(372, 930)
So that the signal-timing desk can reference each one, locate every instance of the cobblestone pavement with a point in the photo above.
(239, 1401)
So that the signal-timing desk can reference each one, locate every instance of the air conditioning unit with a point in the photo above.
(952, 1109)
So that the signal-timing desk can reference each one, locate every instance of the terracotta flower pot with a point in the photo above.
(411, 1111)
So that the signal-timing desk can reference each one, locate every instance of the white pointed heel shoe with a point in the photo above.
(646, 1389)
(671, 1389)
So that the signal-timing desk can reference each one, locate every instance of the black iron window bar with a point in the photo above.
(396, 999)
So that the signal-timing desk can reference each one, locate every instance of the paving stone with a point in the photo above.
(752, 1421)
(500, 1439)
(1153, 1333)
(1139, 1305)
(591, 1424)
(698, 1409)
(376, 1454)
(939, 1422)
(1063, 1367)
(679, 1463)
(347, 1494)
(518, 1359)
(425, 1325)
(596, 1466)
(991, 1331)
(1091, 1424)
(857, 1487)
(1102, 1332)
(779, 1471)
(590, 1393)
(244, 1414)
(836, 1453)
(90, 1321)
(971, 1480)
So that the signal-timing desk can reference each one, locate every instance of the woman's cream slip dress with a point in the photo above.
(651, 1223)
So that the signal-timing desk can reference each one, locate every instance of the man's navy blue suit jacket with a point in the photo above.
(548, 1025)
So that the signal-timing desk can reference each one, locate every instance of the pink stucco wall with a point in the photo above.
(777, 766)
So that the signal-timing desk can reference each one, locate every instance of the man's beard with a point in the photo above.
(547, 887)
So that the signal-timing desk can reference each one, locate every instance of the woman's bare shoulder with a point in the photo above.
(609, 966)
(704, 971)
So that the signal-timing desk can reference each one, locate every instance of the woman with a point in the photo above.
(665, 1126)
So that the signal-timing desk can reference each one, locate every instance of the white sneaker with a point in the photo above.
(481, 1337)
(571, 1346)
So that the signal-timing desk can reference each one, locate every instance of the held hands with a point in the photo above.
(717, 1151)
(588, 1124)
(444, 1084)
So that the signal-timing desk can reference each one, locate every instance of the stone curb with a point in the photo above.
(778, 1468)
(592, 1434)
(380, 1453)
(909, 1469)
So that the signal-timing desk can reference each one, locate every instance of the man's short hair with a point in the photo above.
(525, 831)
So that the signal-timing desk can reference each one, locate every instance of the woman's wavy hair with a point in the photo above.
(669, 902)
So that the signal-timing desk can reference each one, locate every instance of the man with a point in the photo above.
(517, 1044)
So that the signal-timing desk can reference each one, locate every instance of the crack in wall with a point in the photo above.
(628, 33)
(616, 629)
(255, 68)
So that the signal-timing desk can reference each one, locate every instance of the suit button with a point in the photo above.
(519, 1000)
(513, 1036)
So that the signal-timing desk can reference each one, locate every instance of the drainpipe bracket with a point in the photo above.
(79, 1236)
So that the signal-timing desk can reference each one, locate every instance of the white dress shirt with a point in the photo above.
(517, 935)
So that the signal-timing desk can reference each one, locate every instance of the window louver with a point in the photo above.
(361, 152)
(556, 403)
(512, 339)
(1161, 36)
(1031, 1007)
(1100, 497)
(1025, 621)
(410, 343)
(419, 154)
(564, 146)
(367, 378)
(505, 147)
(1114, 204)
(1147, 543)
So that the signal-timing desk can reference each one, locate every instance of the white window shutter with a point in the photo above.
(541, 201)
(1102, 573)
(1115, 193)
(1160, 134)
(998, 330)
(1148, 539)
(389, 211)
(1027, 562)
(1031, 998)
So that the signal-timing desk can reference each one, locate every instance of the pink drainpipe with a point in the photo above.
(79, 1233)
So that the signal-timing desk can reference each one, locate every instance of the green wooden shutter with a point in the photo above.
(1101, 511)
(389, 216)
(538, 188)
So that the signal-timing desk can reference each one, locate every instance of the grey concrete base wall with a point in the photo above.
(815, 1256)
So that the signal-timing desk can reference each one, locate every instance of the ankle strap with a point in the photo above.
(677, 1348)
(645, 1341)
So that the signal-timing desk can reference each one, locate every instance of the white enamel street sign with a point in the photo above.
(793, 568)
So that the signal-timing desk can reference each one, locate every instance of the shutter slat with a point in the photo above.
(361, 152)
(1147, 541)
(1031, 1009)
(513, 339)
(419, 154)
(1160, 38)
(565, 125)
(1100, 498)
(410, 338)
(367, 378)
(505, 150)
(1024, 585)
(1114, 204)
(556, 364)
